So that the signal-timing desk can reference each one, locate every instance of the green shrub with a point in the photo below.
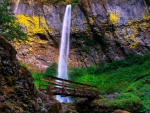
(51, 70)
(141, 88)
(125, 101)
(130, 60)
(75, 1)
(37, 75)
(101, 67)
(76, 72)
(9, 28)
(146, 56)
(129, 76)
(130, 104)
(23, 64)
(109, 76)
(91, 70)
(133, 58)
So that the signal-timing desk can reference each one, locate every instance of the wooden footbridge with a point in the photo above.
(58, 86)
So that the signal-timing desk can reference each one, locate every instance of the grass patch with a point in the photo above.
(50, 71)
(125, 101)
(36, 77)
(141, 88)
(116, 80)
(127, 77)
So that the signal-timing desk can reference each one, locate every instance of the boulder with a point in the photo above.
(17, 90)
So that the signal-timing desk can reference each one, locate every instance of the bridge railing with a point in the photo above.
(59, 86)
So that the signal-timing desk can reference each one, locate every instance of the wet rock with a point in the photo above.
(39, 101)
(49, 103)
(2, 99)
(6, 63)
(44, 110)
(101, 105)
(7, 71)
(16, 83)
(3, 55)
(1, 92)
(69, 107)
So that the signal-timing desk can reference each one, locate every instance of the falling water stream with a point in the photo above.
(64, 50)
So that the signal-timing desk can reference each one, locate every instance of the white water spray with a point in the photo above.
(64, 50)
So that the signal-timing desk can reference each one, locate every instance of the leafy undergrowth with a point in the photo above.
(141, 88)
(116, 80)
(50, 71)
(129, 78)
(126, 102)
(133, 79)
(105, 104)
(124, 80)
(37, 77)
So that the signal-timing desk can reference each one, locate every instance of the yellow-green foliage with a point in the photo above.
(34, 24)
(130, 40)
(113, 17)
(135, 26)
(91, 20)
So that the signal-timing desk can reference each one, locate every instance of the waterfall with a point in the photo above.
(64, 50)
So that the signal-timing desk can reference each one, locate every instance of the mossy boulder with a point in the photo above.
(17, 90)
(48, 103)
(68, 108)
(105, 104)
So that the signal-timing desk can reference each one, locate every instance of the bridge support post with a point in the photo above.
(83, 90)
(74, 89)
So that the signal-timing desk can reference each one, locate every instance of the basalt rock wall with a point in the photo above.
(100, 30)
(18, 93)
(17, 90)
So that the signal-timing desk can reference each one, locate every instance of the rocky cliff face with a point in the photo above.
(100, 30)
(17, 90)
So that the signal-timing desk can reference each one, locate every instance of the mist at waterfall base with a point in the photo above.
(64, 50)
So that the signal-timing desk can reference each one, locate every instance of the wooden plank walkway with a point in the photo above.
(59, 86)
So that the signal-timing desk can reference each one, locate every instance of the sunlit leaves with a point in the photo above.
(9, 28)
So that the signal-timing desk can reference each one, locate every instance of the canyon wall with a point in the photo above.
(100, 30)
(18, 93)
(17, 90)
